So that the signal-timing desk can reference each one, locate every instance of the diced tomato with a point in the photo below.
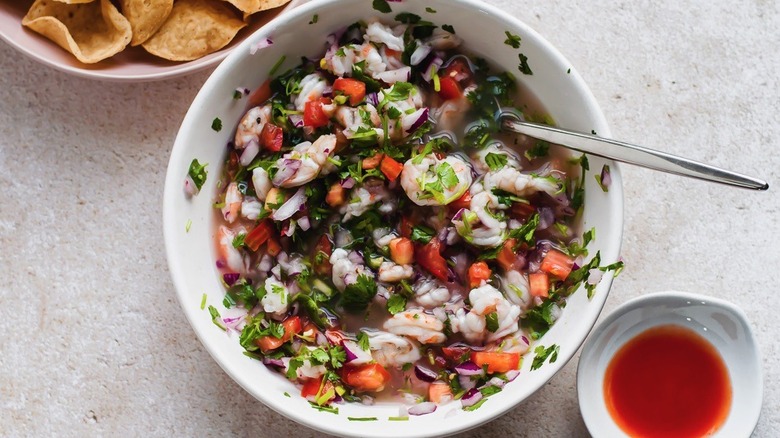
(459, 70)
(355, 89)
(272, 137)
(311, 388)
(478, 272)
(273, 248)
(496, 362)
(373, 161)
(455, 353)
(292, 326)
(322, 253)
(259, 234)
(369, 377)
(438, 391)
(335, 196)
(260, 95)
(429, 257)
(391, 168)
(507, 258)
(557, 264)
(449, 88)
(393, 53)
(463, 202)
(539, 284)
(402, 250)
(521, 210)
(405, 228)
(313, 115)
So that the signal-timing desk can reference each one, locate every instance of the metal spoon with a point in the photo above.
(630, 153)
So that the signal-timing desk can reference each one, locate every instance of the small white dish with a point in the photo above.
(721, 323)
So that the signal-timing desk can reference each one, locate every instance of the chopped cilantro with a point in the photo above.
(495, 161)
(600, 177)
(238, 241)
(314, 19)
(540, 149)
(512, 39)
(363, 341)
(198, 173)
(526, 232)
(188, 225)
(216, 124)
(276, 66)
(362, 418)
(382, 6)
(203, 302)
(286, 394)
(447, 175)
(543, 353)
(430, 10)
(396, 304)
(356, 296)
(216, 318)
(422, 234)
(576, 249)
(404, 418)
(568, 71)
(407, 18)
(523, 67)
(476, 405)
(487, 391)
(237, 94)
(616, 267)
(329, 409)
(448, 28)
(491, 322)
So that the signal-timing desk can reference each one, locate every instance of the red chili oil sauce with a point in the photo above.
(668, 382)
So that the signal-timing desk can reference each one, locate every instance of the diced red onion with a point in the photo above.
(419, 54)
(412, 122)
(355, 354)
(266, 263)
(260, 45)
(291, 206)
(242, 90)
(424, 374)
(469, 368)
(250, 152)
(458, 215)
(296, 120)
(606, 176)
(466, 382)
(189, 186)
(321, 339)
(348, 183)
(471, 397)
(595, 276)
(372, 98)
(546, 218)
(346, 344)
(230, 278)
(512, 374)
(422, 408)
(220, 264)
(497, 382)
(432, 67)
(288, 228)
(273, 362)
(304, 223)
(355, 257)
(286, 170)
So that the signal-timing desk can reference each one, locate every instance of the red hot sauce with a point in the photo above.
(668, 382)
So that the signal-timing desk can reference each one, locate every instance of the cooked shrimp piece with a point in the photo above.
(276, 300)
(342, 61)
(430, 293)
(470, 325)
(232, 258)
(391, 272)
(481, 157)
(377, 32)
(427, 180)
(518, 342)
(251, 125)
(261, 182)
(307, 159)
(425, 328)
(522, 184)
(251, 208)
(233, 200)
(361, 199)
(312, 87)
(390, 350)
(449, 115)
(516, 288)
(345, 270)
(443, 40)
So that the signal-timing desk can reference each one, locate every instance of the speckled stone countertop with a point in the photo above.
(94, 342)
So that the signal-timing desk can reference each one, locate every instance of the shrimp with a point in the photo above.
(261, 182)
(308, 159)
(233, 200)
(516, 343)
(352, 119)
(361, 199)
(251, 208)
(484, 301)
(516, 288)
(378, 33)
(391, 272)
(512, 180)
(391, 350)
(251, 125)
(227, 253)
(443, 40)
(312, 86)
(341, 62)
(449, 115)
(425, 328)
(469, 324)
(345, 270)
(430, 293)
(495, 149)
(276, 300)
(382, 237)
(427, 180)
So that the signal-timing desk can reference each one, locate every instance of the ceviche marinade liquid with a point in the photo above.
(379, 237)
(668, 382)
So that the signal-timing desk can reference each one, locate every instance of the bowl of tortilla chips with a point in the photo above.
(133, 40)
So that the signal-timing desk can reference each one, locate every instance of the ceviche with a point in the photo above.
(380, 239)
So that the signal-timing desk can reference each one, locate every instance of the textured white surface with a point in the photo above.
(93, 340)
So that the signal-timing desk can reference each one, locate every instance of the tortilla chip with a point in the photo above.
(249, 7)
(194, 29)
(145, 17)
(91, 31)
(74, 2)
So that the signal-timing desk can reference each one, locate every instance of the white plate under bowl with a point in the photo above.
(721, 323)
(133, 64)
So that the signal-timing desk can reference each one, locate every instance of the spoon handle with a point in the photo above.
(633, 154)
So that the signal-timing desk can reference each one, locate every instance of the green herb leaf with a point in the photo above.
(422, 234)
(495, 161)
(448, 28)
(238, 241)
(447, 175)
(363, 341)
(526, 232)
(382, 6)
(430, 10)
(512, 40)
(356, 296)
(407, 18)
(523, 67)
(540, 149)
(542, 354)
(396, 304)
(604, 172)
(362, 418)
(216, 124)
(197, 173)
(491, 322)
(314, 19)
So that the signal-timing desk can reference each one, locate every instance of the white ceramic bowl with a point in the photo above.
(721, 323)
(133, 64)
(190, 254)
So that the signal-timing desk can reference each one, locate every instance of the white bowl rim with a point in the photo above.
(650, 300)
(173, 186)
